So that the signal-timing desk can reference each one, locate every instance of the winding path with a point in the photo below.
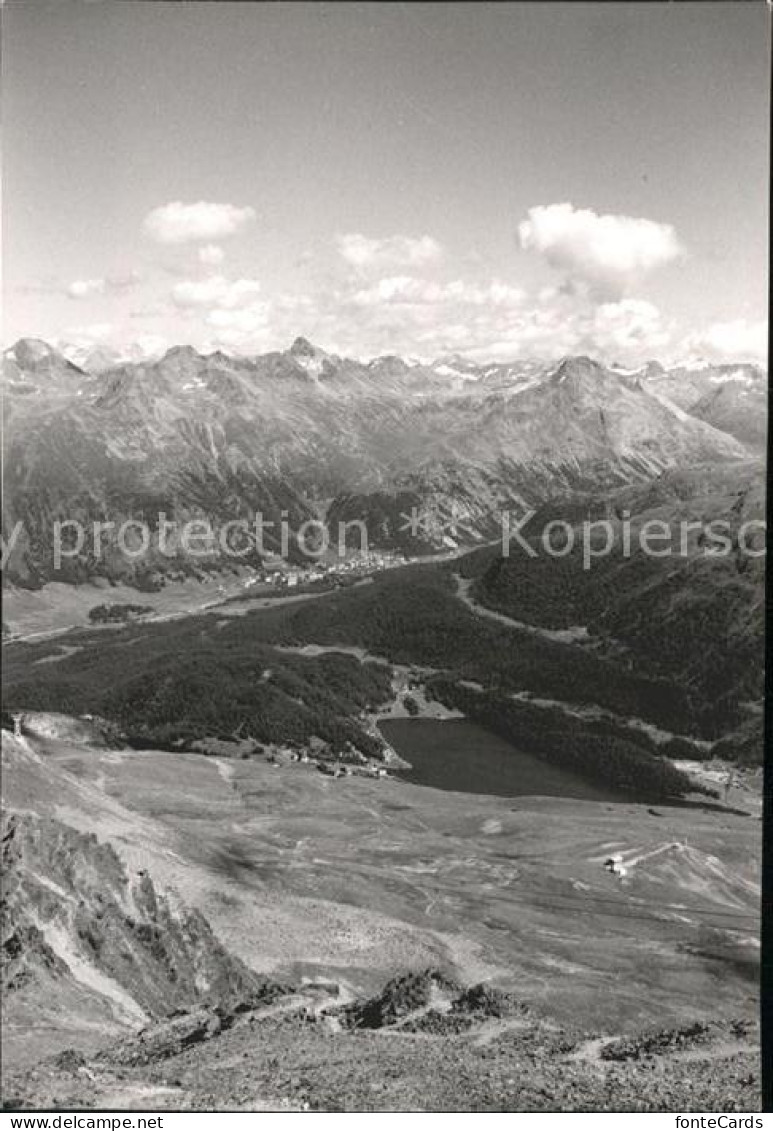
(572, 635)
(576, 634)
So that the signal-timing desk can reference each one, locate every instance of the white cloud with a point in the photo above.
(211, 255)
(607, 253)
(231, 308)
(407, 314)
(500, 294)
(147, 346)
(83, 288)
(116, 284)
(249, 328)
(488, 322)
(739, 340)
(244, 320)
(393, 251)
(407, 290)
(216, 292)
(396, 289)
(177, 223)
(628, 329)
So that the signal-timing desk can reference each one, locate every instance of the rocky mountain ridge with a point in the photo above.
(84, 939)
(304, 435)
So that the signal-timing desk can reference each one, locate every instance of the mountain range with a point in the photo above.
(307, 435)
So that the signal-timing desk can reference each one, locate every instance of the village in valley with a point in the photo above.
(280, 574)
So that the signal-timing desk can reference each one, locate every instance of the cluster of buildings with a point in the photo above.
(335, 770)
(318, 754)
(280, 574)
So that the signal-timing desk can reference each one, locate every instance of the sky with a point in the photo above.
(493, 180)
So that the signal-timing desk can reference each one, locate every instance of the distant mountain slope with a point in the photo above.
(686, 384)
(302, 433)
(693, 617)
(34, 367)
(739, 409)
(732, 398)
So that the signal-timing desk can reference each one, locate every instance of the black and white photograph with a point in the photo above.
(384, 414)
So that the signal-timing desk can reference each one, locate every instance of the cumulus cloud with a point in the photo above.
(410, 314)
(204, 221)
(628, 329)
(147, 346)
(606, 253)
(230, 308)
(215, 292)
(116, 284)
(238, 324)
(407, 290)
(739, 340)
(491, 322)
(211, 255)
(365, 252)
(83, 288)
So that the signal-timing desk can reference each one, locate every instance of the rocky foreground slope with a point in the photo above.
(216, 944)
(89, 946)
(184, 1025)
(299, 1060)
